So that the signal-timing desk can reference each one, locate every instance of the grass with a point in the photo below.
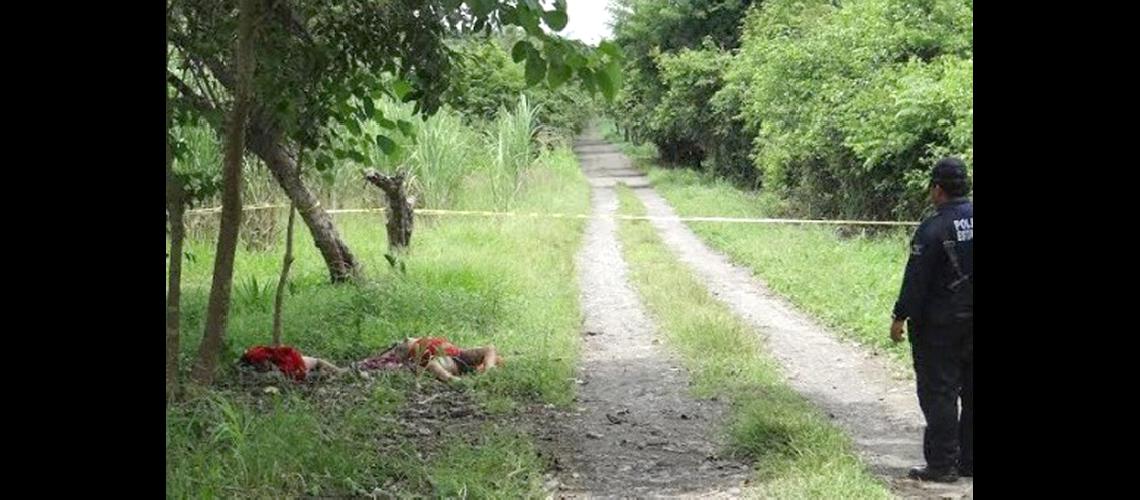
(849, 283)
(507, 282)
(226, 445)
(798, 453)
(610, 132)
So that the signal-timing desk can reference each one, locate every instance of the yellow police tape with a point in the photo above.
(483, 213)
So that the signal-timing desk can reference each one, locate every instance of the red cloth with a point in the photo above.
(429, 347)
(287, 359)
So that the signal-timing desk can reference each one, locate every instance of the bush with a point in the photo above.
(852, 104)
(840, 107)
(676, 53)
(486, 80)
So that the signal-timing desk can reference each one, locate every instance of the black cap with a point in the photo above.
(948, 169)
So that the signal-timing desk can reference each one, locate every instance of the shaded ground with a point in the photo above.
(636, 431)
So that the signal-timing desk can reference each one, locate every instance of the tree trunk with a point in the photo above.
(400, 208)
(266, 143)
(175, 205)
(217, 311)
(284, 276)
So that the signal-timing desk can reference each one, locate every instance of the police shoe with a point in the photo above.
(947, 475)
(966, 470)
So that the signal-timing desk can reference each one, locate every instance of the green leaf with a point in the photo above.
(558, 74)
(613, 69)
(386, 123)
(587, 77)
(324, 162)
(535, 68)
(556, 19)
(387, 145)
(401, 88)
(605, 83)
(520, 50)
(406, 128)
(610, 48)
(369, 107)
(575, 60)
(357, 157)
(528, 19)
(353, 126)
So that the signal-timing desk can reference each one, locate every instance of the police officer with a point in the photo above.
(937, 298)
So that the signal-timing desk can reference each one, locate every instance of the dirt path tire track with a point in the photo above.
(637, 432)
(857, 391)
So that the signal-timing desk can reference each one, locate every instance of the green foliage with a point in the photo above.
(197, 162)
(487, 79)
(841, 107)
(696, 108)
(323, 65)
(675, 54)
(853, 103)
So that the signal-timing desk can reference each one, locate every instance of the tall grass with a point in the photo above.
(512, 139)
(449, 162)
(444, 153)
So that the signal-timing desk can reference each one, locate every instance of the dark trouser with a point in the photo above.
(944, 369)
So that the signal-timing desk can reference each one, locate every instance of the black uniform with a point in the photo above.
(937, 297)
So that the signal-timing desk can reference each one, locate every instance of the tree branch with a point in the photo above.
(188, 96)
(289, 20)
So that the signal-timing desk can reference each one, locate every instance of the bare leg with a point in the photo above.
(437, 368)
(485, 357)
(322, 366)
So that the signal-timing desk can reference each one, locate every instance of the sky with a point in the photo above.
(589, 20)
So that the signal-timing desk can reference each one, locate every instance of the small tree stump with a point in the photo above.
(400, 207)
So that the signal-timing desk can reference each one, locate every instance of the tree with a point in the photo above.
(331, 59)
(325, 63)
(670, 46)
(400, 208)
(286, 263)
(853, 102)
(217, 310)
(175, 208)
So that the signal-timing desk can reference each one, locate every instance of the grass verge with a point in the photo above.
(508, 282)
(849, 282)
(798, 453)
(847, 279)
